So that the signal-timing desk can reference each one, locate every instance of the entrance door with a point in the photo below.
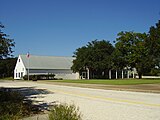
(84, 75)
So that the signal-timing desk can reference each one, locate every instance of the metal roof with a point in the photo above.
(47, 62)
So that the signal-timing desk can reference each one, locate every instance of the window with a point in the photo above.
(16, 75)
(19, 75)
(19, 60)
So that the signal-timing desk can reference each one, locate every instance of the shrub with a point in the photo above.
(9, 117)
(40, 77)
(13, 106)
(10, 105)
(64, 112)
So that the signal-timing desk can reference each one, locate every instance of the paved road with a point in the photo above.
(97, 104)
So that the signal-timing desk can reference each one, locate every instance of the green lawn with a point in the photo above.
(7, 78)
(112, 82)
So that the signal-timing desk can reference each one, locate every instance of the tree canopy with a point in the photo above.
(131, 50)
(153, 44)
(95, 56)
(6, 44)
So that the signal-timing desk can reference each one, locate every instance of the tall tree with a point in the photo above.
(153, 44)
(132, 52)
(96, 56)
(6, 44)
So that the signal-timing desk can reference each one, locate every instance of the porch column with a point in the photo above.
(110, 74)
(88, 73)
(116, 74)
(133, 74)
(122, 74)
(128, 74)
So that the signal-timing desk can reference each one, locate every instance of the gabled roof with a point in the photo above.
(47, 62)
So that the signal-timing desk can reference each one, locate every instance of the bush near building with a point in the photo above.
(40, 77)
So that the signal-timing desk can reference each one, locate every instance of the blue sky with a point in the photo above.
(59, 27)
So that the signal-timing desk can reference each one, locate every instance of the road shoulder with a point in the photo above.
(149, 88)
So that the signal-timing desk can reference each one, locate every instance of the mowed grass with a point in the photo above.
(112, 82)
(7, 78)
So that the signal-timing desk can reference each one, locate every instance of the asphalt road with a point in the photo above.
(94, 104)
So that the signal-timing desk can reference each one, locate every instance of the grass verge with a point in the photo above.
(111, 82)
(7, 78)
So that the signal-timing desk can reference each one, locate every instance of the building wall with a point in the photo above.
(19, 70)
(46, 71)
(68, 76)
(59, 73)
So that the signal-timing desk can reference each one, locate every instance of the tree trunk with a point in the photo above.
(140, 75)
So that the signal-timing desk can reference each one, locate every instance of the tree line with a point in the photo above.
(131, 50)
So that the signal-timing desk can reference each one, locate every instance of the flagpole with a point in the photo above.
(28, 64)
(28, 69)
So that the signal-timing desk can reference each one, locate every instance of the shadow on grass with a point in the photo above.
(33, 97)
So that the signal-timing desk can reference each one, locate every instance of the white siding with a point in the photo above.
(46, 71)
(60, 69)
(67, 76)
(64, 74)
(20, 69)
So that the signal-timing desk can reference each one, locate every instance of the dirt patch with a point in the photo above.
(150, 88)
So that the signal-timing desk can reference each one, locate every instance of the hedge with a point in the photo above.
(40, 77)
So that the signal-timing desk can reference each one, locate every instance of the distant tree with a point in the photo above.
(132, 52)
(6, 44)
(96, 56)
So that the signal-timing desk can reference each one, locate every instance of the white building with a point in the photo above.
(60, 66)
